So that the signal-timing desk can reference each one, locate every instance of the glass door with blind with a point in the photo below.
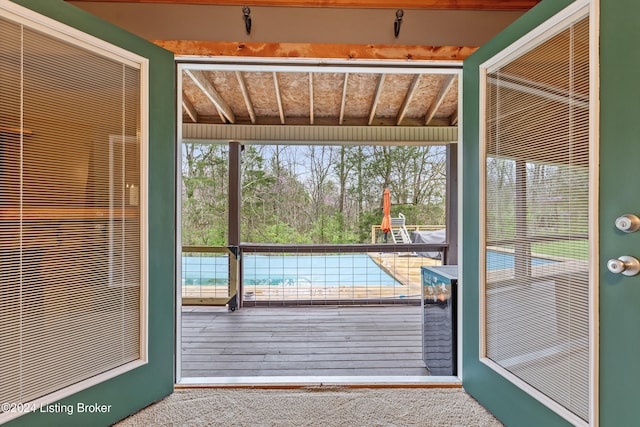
(70, 233)
(536, 220)
(74, 197)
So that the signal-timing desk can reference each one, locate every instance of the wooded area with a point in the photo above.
(547, 199)
(310, 193)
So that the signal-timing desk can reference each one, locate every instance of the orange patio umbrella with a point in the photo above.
(386, 209)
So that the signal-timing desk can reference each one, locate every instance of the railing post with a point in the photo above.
(233, 238)
(234, 272)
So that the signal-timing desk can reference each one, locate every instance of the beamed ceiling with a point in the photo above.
(341, 77)
(375, 97)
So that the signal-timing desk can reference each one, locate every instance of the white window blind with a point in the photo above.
(537, 218)
(71, 197)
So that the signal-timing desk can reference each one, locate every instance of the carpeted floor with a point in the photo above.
(317, 406)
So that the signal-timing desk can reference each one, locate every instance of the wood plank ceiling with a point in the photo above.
(300, 97)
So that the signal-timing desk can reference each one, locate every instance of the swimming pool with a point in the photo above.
(310, 270)
(506, 261)
(289, 270)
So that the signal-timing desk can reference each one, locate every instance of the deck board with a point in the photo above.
(302, 341)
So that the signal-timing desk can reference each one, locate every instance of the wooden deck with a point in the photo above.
(302, 341)
(405, 268)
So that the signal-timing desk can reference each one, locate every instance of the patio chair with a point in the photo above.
(399, 232)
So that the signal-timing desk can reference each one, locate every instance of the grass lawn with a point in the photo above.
(577, 249)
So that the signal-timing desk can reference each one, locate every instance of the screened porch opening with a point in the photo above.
(336, 302)
(304, 247)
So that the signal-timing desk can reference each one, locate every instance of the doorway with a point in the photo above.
(306, 127)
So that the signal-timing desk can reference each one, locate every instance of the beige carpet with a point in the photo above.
(321, 406)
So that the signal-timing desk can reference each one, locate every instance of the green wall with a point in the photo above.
(136, 389)
(506, 401)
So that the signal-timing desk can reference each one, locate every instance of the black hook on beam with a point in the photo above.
(246, 12)
(398, 22)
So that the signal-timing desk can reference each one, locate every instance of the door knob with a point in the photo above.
(627, 265)
(628, 223)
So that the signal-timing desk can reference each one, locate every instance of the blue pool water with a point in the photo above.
(505, 261)
(310, 270)
(289, 270)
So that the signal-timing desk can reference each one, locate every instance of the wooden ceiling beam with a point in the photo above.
(247, 98)
(376, 99)
(444, 89)
(198, 77)
(344, 98)
(380, 4)
(278, 97)
(407, 99)
(454, 118)
(189, 108)
(309, 50)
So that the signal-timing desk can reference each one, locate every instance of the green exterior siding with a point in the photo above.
(510, 404)
(138, 388)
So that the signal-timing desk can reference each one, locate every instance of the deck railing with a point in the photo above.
(273, 274)
(210, 275)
